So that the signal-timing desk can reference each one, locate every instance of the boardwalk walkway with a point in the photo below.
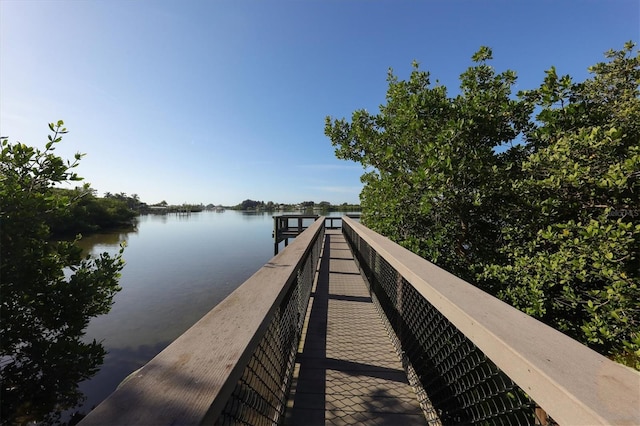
(347, 370)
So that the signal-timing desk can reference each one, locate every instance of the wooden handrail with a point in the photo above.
(571, 382)
(191, 380)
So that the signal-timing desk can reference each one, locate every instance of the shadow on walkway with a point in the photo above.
(348, 371)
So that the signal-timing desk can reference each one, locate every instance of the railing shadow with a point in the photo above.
(311, 374)
(366, 390)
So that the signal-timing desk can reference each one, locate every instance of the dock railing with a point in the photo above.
(476, 360)
(235, 365)
(289, 226)
(335, 222)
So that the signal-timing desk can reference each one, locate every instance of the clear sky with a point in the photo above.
(220, 101)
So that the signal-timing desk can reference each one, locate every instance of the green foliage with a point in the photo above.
(49, 290)
(88, 213)
(572, 262)
(527, 208)
(250, 205)
(132, 201)
(436, 178)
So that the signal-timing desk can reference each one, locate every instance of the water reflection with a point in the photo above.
(112, 240)
(44, 381)
(40, 378)
(118, 364)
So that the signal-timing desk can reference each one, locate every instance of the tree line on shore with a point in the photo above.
(302, 206)
(88, 213)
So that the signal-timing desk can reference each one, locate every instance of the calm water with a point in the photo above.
(177, 269)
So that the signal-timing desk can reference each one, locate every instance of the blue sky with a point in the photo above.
(220, 101)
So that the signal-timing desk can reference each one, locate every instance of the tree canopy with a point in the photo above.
(531, 196)
(49, 290)
(87, 213)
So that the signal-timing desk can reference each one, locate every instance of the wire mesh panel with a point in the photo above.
(457, 383)
(260, 396)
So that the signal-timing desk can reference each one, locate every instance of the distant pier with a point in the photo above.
(290, 226)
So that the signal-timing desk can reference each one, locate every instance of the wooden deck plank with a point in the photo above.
(347, 371)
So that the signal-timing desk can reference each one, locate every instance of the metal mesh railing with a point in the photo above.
(260, 396)
(456, 382)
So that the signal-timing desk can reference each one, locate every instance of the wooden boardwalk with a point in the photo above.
(347, 370)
